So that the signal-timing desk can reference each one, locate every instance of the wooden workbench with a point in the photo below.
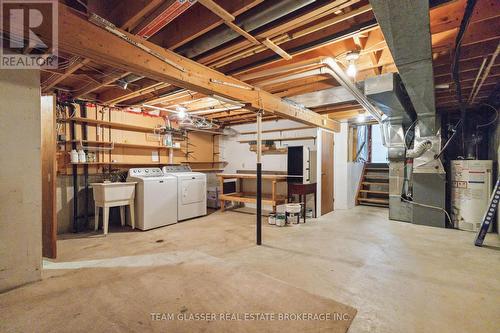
(272, 199)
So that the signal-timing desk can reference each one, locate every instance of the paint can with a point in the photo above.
(309, 213)
(271, 219)
(280, 219)
(293, 212)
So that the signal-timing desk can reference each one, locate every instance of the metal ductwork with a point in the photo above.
(388, 93)
(406, 28)
(417, 177)
(249, 21)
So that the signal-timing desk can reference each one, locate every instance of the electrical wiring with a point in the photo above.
(407, 131)
(83, 4)
(490, 122)
(429, 206)
(455, 68)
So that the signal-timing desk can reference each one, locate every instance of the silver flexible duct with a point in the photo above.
(420, 149)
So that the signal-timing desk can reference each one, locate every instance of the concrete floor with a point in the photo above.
(400, 277)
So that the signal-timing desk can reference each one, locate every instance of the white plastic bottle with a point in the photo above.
(81, 156)
(74, 156)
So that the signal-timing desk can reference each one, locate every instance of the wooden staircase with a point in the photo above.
(374, 185)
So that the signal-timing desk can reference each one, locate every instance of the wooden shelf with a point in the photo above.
(251, 198)
(120, 144)
(282, 139)
(120, 163)
(207, 170)
(113, 125)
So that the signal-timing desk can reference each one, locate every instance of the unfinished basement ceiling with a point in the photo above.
(303, 30)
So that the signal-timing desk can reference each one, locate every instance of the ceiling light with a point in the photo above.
(122, 83)
(351, 58)
(351, 70)
(181, 112)
(361, 117)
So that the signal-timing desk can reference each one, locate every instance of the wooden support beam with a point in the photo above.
(278, 50)
(84, 38)
(279, 34)
(228, 20)
(184, 29)
(345, 107)
(343, 115)
(126, 15)
(243, 33)
(217, 10)
(129, 13)
(449, 16)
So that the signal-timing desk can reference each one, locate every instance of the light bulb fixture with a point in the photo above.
(361, 117)
(351, 58)
(351, 70)
(181, 112)
(122, 83)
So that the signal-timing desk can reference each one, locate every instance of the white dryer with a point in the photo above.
(155, 199)
(191, 191)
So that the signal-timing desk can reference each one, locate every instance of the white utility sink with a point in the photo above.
(111, 192)
(108, 195)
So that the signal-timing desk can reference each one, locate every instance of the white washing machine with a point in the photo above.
(155, 202)
(191, 191)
